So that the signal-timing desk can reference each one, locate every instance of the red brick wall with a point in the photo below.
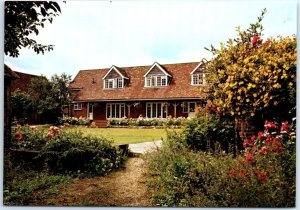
(79, 113)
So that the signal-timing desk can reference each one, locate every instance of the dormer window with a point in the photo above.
(199, 79)
(157, 77)
(114, 79)
(199, 75)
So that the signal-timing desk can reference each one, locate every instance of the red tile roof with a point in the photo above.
(179, 88)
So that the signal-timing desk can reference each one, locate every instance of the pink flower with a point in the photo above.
(264, 150)
(33, 128)
(284, 127)
(49, 135)
(245, 143)
(57, 131)
(255, 39)
(261, 175)
(51, 128)
(269, 125)
(249, 157)
(19, 135)
(261, 135)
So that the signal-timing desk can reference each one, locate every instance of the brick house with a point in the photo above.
(155, 91)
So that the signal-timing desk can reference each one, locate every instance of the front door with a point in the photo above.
(91, 112)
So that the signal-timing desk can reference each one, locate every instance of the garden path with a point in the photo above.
(124, 187)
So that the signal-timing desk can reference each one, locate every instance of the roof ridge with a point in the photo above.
(139, 66)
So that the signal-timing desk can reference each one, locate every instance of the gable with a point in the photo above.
(200, 68)
(113, 73)
(157, 69)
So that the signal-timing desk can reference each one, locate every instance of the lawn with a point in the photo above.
(125, 135)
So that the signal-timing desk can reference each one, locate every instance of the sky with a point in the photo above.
(99, 34)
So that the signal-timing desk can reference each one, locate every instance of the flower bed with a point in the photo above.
(147, 122)
(65, 152)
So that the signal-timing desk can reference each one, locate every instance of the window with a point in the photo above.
(199, 79)
(156, 110)
(113, 83)
(188, 107)
(156, 81)
(115, 110)
(78, 106)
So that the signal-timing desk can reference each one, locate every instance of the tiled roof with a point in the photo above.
(90, 84)
(23, 82)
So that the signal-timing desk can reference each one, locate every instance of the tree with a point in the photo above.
(21, 104)
(251, 76)
(23, 18)
(49, 96)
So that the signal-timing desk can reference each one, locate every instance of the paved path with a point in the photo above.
(142, 148)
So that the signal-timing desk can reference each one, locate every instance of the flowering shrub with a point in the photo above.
(180, 121)
(67, 152)
(73, 121)
(264, 175)
(249, 74)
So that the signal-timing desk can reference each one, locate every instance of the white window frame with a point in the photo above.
(197, 80)
(77, 106)
(187, 107)
(113, 83)
(156, 81)
(119, 108)
(156, 110)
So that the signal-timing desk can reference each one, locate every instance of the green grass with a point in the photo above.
(125, 135)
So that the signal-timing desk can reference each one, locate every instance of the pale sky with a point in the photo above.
(99, 34)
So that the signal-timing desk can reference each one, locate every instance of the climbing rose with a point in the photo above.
(264, 150)
(269, 125)
(261, 175)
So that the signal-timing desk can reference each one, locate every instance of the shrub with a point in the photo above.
(73, 120)
(262, 176)
(148, 122)
(209, 131)
(67, 152)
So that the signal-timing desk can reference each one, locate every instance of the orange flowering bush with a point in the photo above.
(249, 74)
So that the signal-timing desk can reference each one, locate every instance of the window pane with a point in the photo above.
(122, 110)
(164, 81)
(154, 107)
(120, 83)
(192, 107)
(108, 110)
(148, 110)
(113, 111)
(158, 78)
(165, 111)
(153, 79)
(159, 110)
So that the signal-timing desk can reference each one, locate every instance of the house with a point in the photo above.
(155, 91)
(23, 82)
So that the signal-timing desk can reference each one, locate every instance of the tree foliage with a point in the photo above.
(49, 96)
(250, 75)
(23, 18)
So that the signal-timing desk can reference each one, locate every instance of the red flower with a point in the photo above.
(284, 127)
(19, 135)
(266, 42)
(261, 135)
(245, 143)
(243, 173)
(232, 173)
(249, 157)
(277, 145)
(49, 135)
(261, 175)
(57, 131)
(269, 125)
(255, 39)
(264, 150)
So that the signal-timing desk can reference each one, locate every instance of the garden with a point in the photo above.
(241, 151)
